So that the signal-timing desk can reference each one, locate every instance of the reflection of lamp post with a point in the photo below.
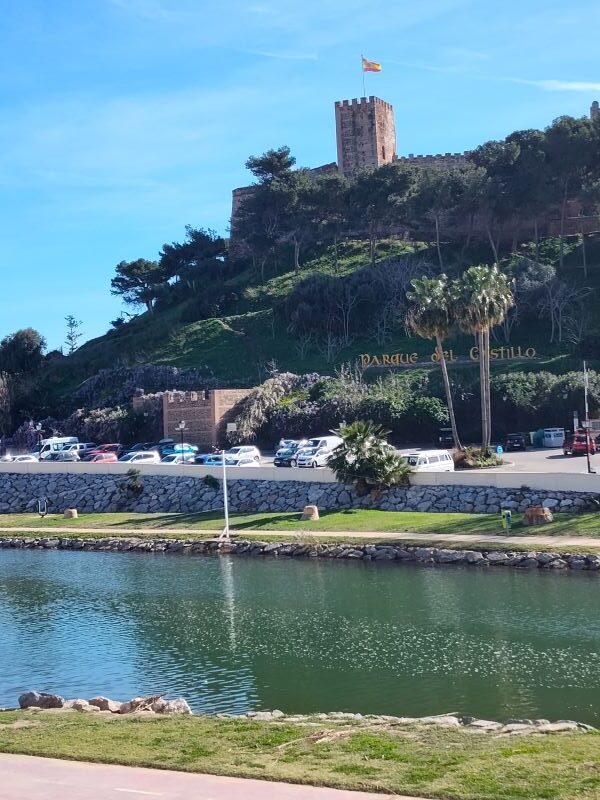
(181, 427)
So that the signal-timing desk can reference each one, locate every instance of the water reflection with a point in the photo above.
(235, 633)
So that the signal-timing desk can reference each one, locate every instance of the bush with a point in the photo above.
(365, 459)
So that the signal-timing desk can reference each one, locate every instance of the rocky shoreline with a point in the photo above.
(157, 704)
(309, 549)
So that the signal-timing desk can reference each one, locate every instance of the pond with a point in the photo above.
(232, 634)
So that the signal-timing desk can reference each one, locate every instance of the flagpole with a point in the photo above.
(362, 68)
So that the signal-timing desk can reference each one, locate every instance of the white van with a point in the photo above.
(317, 451)
(430, 461)
(54, 444)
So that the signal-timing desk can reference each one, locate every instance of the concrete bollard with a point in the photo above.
(70, 513)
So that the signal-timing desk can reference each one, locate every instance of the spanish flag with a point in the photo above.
(370, 66)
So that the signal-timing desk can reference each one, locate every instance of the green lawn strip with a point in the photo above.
(587, 524)
(428, 762)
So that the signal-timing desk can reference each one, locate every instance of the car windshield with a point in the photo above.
(234, 451)
(412, 460)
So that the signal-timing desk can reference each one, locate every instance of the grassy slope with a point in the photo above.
(239, 347)
(424, 762)
(330, 522)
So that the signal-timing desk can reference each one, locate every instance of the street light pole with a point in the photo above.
(181, 427)
(587, 416)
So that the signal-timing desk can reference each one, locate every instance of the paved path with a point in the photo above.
(32, 778)
(116, 532)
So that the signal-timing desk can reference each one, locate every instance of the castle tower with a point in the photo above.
(595, 110)
(366, 134)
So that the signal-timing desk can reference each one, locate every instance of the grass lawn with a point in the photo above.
(331, 522)
(420, 761)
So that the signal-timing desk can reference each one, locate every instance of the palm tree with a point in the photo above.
(432, 317)
(484, 297)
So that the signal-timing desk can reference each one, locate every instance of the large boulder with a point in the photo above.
(105, 704)
(40, 700)
(176, 706)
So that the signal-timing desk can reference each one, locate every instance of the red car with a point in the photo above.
(105, 458)
(575, 444)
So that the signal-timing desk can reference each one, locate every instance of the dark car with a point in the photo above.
(286, 456)
(445, 438)
(515, 441)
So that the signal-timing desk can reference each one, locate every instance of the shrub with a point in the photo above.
(211, 482)
(365, 458)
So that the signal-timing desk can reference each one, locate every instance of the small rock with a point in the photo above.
(82, 705)
(558, 727)
(446, 721)
(484, 725)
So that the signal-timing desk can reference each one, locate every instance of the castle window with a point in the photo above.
(383, 152)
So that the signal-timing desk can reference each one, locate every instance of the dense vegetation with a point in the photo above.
(320, 270)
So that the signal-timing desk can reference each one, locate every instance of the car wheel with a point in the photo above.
(314, 465)
(293, 463)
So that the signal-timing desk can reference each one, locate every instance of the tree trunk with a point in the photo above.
(335, 253)
(372, 248)
(296, 255)
(481, 345)
(584, 251)
(563, 213)
(437, 241)
(449, 401)
(488, 403)
(536, 233)
(491, 241)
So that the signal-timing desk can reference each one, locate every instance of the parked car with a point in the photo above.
(186, 449)
(445, 437)
(116, 448)
(206, 458)
(287, 456)
(53, 445)
(141, 457)
(430, 461)
(81, 448)
(247, 461)
(577, 444)
(104, 458)
(317, 451)
(64, 455)
(26, 458)
(236, 454)
(178, 458)
(515, 441)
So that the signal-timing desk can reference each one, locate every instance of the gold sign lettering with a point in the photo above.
(502, 353)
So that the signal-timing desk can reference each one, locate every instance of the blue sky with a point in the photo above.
(123, 120)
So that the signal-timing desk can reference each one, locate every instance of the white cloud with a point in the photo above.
(562, 86)
(284, 55)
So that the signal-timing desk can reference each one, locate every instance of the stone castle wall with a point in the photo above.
(171, 494)
(205, 412)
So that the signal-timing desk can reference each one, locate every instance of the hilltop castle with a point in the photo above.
(366, 138)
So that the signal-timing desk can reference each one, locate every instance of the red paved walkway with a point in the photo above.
(30, 778)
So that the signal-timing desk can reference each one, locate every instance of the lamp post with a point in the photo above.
(587, 417)
(225, 532)
(181, 427)
(39, 431)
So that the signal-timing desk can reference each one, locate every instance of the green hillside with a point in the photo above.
(239, 348)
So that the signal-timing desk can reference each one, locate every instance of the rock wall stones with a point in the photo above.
(431, 556)
(164, 493)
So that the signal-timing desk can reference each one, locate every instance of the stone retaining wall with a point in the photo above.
(169, 494)
(352, 551)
